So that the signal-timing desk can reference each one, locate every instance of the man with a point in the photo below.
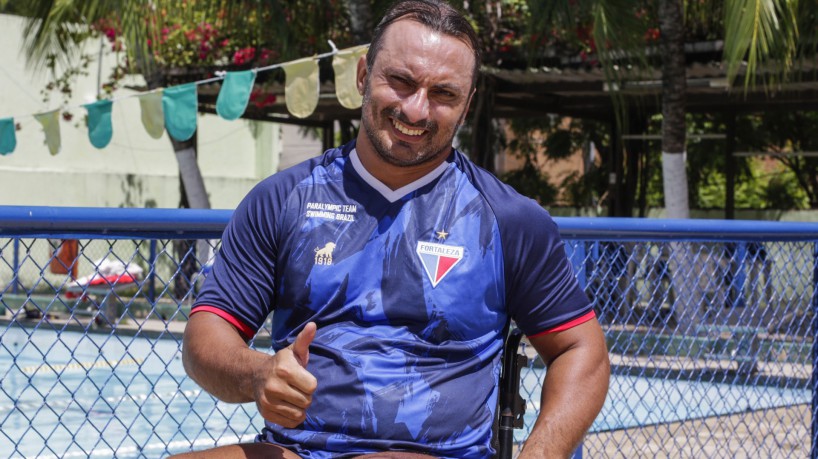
(392, 266)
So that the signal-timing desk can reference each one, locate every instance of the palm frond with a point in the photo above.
(759, 32)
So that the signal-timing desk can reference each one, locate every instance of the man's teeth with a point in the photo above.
(406, 130)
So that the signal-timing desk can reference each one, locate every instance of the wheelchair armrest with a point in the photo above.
(512, 405)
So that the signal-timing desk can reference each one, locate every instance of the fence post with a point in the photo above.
(575, 250)
(814, 445)
(15, 266)
(152, 273)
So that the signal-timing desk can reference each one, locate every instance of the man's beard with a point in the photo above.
(426, 153)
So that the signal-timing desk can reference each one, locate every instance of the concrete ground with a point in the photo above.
(776, 433)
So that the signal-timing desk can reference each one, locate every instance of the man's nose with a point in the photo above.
(416, 106)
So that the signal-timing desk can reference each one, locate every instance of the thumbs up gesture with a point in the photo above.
(283, 388)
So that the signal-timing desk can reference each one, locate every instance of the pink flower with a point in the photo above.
(244, 55)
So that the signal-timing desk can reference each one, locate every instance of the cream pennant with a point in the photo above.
(345, 65)
(51, 127)
(153, 118)
(302, 87)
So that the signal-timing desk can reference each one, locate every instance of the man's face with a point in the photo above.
(416, 94)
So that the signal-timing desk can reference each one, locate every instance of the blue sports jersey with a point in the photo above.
(411, 290)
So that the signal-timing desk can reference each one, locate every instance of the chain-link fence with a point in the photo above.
(709, 327)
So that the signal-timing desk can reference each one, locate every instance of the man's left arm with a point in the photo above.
(574, 389)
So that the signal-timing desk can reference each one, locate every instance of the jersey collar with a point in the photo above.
(388, 193)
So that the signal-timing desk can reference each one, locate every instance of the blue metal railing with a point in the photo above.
(682, 301)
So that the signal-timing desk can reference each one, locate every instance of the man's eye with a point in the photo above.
(401, 82)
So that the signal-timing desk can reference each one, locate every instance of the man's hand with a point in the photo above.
(283, 387)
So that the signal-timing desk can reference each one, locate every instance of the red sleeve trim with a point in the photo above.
(246, 331)
(570, 324)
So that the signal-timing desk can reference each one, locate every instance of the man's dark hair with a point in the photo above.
(434, 14)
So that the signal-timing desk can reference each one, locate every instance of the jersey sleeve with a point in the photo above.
(240, 287)
(543, 293)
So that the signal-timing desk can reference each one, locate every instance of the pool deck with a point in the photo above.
(150, 326)
(682, 365)
(780, 432)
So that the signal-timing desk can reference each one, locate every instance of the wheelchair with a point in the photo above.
(511, 405)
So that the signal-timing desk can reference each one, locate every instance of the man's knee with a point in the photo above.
(241, 451)
(396, 455)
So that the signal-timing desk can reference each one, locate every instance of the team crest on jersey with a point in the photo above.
(323, 255)
(438, 259)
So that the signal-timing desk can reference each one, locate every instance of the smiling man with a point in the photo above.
(392, 267)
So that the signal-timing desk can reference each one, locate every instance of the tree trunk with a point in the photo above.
(189, 173)
(685, 280)
(193, 188)
(674, 87)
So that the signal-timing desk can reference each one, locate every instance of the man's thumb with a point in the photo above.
(301, 347)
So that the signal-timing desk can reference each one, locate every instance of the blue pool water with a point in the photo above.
(75, 395)
(134, 400)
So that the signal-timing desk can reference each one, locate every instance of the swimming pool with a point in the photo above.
(107, 396)
(69, 394)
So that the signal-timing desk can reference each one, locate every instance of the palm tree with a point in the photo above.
(674, 88)
(757, 34)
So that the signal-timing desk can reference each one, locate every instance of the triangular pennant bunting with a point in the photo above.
(153, 118)
(51, 127)
(301, 88)
(179, 104)
(8, 138)
(234, 94)
(100, 129)
(345, 65)
(175, 109)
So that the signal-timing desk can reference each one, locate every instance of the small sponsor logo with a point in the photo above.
(323, 255)
(438, 259)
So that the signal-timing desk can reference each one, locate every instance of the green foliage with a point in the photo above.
(532, 182)
(782, 192)
(785, 135)
(534, 140)
(760, 182)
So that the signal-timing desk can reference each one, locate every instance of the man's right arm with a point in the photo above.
(216, 356)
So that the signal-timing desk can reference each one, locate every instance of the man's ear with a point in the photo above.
(360, 81)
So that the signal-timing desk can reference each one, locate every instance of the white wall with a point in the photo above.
(298, 147)
(134, 170)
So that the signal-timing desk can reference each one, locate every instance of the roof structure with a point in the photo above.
(570, 87)
(578, 88)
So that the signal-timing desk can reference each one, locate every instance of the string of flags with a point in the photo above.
(175, 108)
